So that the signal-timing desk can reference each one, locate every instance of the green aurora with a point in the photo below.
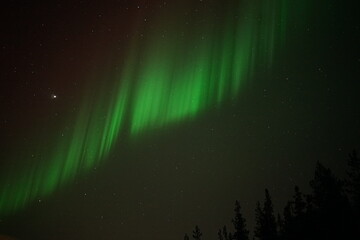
(164, 81)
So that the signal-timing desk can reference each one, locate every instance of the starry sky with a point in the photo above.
(140, 119)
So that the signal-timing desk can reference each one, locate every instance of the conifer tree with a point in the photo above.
(354, 179)
(241, 233)
(329, 215)
(197, 234)
(299, 203)
(224, 234)
(266, 228)
(220, 235)
(259, 218)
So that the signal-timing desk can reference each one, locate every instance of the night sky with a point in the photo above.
(140, 119)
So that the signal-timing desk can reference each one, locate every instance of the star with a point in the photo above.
(53, 96)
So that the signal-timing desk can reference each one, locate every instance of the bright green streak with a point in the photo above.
(174, 87)
(93, 136)
(178, 78)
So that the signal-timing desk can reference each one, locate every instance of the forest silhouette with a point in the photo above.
(330, 211)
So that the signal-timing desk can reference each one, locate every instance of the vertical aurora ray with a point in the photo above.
(93, 136)
(179, 85)
(178, 77)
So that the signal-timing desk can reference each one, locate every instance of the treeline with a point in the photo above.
(330, 211)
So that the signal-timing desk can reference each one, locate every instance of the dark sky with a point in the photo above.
(301, 108)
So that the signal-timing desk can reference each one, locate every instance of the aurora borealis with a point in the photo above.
(127, 72)
(173, 82)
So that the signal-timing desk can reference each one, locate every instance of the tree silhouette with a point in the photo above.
(241, 233)
(197, 234)
(265, 228)
(354, 179)
(327, 190)
(353, 188)
(287, 222)
(325, 213)
(293, 226)
(220, 235)
(186, 237)
(224, 235)
(299, 203)
(329, 217)
(280, 224)
(259, 218)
